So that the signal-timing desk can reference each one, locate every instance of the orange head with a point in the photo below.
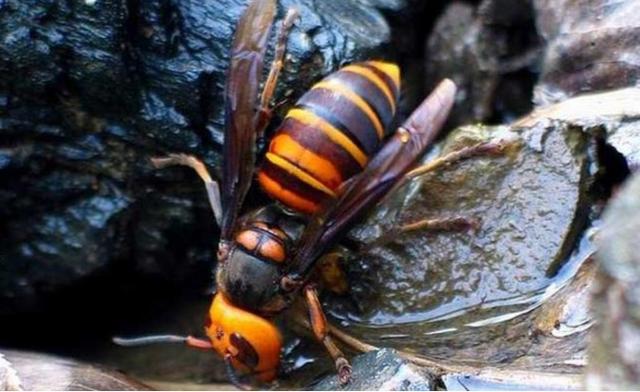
(251, 342)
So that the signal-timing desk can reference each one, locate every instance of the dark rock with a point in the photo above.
(69, 243)
(490, 52)
(381, 370)
(91, 89)
(590, 46)
(615, 346)
(21, 370)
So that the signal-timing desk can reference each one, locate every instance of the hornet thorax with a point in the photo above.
(251, 266)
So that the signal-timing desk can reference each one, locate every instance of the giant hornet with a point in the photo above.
(326, 165)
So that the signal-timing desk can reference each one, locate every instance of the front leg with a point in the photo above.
(264, 111)
(213, 189)
(321, 331)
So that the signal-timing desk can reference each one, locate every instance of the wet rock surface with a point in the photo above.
(103, 86)
(548, 335)
(529, 203)
(513, 381)
(381, 370)
(544, 323)
(615, 345)
(590, 46)
(22, 370)
(534, 317)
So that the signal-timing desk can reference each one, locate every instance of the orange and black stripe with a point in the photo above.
(330, 134)
(264, 240)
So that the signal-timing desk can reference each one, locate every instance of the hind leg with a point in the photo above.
(451, 224)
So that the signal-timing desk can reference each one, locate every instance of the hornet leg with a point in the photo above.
(321, 331)
(486, 148)
(213, 189)
(264, 112)
(456, 223)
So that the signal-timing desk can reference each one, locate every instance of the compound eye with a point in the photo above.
(246, 354)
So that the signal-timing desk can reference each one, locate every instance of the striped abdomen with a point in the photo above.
(330, 135)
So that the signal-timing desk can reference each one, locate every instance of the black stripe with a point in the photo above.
(345, 115)
(370, 93)
(351, 86)
(356, 120)
(307, 172)
(293, 183)
(256, 250)
(269, 234)
(313, 107)
(395, 89)
(316, 141)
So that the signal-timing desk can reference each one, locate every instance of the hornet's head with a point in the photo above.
(249, 342)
